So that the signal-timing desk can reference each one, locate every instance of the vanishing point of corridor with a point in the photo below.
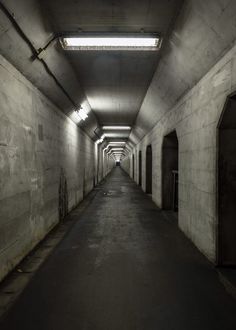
(124, 265)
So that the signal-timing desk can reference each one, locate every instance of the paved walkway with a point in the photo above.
(123, 266)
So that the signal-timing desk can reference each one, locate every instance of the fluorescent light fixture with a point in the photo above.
(82, 113)
(122, 128)
(75, 117)
(120, 142)
(116, 145)
(112, 42)
(99, 140)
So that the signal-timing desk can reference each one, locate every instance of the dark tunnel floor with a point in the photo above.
(123, 266)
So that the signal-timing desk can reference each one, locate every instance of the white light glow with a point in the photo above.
(117, 149)
(75, 117)
(122, 128)
(115, 145)
(99, 140)
(82, 113)
(111, 42)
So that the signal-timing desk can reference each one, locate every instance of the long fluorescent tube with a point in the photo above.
(117, 142)
(122, 128)
(111, 42)
(82, 114)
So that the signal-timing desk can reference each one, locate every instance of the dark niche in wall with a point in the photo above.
(63, 196)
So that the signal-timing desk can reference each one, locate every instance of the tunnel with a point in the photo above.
(117, 165)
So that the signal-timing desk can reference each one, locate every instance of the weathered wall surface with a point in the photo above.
(195, 118)
(108, 164)
(46, 166)
(125, 164)
(203, 32)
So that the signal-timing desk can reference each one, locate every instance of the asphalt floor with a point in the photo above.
(124, 265)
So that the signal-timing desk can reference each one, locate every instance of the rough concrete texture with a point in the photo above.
(17, 280)
(195, 118)
(126, 164)
(123, 266)
(30, 15)
(203, 32)
(47, 166)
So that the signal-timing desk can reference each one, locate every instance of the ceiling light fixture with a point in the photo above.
(117, 142)
(105, 41)
(81, 113)
(122, 128)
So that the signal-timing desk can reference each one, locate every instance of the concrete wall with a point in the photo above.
(104, 163)
(40, 148)
(108, 164)
(195, 118)
(203, 32)
(126, 165)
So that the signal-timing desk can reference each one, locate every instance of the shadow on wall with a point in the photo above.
(63, 196)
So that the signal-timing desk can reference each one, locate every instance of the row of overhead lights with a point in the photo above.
(117, 148)
(111, 42)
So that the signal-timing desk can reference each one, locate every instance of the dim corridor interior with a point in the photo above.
(123, 266)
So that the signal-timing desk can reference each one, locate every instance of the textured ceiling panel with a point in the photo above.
(117, 15)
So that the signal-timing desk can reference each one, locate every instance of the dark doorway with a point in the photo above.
(140, 168)
(170, 172)
(63, 196)
(117, 163)
(227, 185)
(84, 184)
(149, 169)
(133, 166)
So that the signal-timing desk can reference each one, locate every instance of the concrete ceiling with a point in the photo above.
(128, 88)
(115, 83)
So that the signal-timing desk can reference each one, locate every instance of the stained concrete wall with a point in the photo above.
(126, 165)
(104, 162)
(40, 148)
(108, 164)
(195, 118)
